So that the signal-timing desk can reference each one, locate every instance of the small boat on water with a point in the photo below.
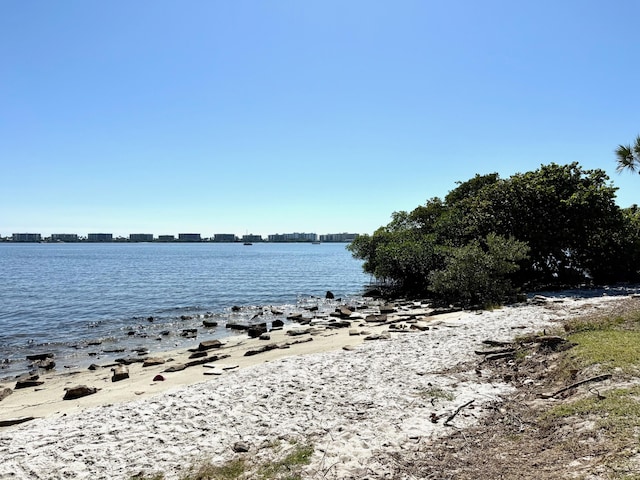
(315, 242)
(248, 243)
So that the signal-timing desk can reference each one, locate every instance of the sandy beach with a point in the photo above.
(351, 392)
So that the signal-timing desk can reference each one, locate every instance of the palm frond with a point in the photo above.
(625, 158)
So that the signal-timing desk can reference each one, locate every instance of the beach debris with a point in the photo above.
(241, 447)
(120, 372)
(46, 364)
(159, 378)
(376, 318)
(257, 330)
(29, 381)
(457, 411)
(198, 355)
(78, 391)
(15, 421)
(189, 333)
(209, 344)
(175, 368)
(4, 393)
(598, 378)
(298, 331)
(153, 361)
(40, 356)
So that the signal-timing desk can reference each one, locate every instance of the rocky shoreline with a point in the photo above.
(354, 381)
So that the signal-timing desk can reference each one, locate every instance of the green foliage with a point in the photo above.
(477, 273)
(628, 157)
(565, 215)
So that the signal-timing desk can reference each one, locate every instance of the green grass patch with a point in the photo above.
(434, 393)
(610, 349)
(232, 470)
(288, 468)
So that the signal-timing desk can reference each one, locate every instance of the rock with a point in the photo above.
(130, 360)
(298, 331)
(257, 330)
(153, 361)
(344, 312)
(78, 392)
(94, 366)
(186, 317)
(15, 421)
(158, 378)
(209, 323)
(189, 333)
(354, 333)
(265, 336)
(27, 382)
(40, 356)
(275, 311)
(241, 447)
(175, 368)
(198, 355)
(46, 364)
(381, 336)
(277, 324)
(165, 333)
(375, 318)
(237, 326)
(119, 373)
(262, 349)
(4, 393)
(388, 308)
(294, 316)
(329, 295)
(209, 344)
(150, 319)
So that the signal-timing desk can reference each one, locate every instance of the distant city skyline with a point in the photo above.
(316, 116)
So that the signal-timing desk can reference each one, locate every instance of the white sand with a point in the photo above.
(349, 404)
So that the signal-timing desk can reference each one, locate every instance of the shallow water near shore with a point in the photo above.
(82, 301)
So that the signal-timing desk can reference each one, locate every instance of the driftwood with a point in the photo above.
(497, 356)
(453, 415)
(495, 343)
(597, 378)
(494, 351)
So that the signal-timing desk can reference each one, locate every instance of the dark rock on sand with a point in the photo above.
(46, 364)
(277, 324)
(119, 373)
(189, 333)
(198, 355)
(209, 323)
(40, 356)
(209, 344)
(241, 447)
(27, 382)
(4, 393)
(329, 295)
(257, 330)
(152, 361)
(15, 421)
(94, 366)
(78, 391)
(159, 378)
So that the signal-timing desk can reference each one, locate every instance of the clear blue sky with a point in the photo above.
(279, 116)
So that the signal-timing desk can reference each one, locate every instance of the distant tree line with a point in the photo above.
(490, 238)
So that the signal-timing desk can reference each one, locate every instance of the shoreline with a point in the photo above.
(374, 395)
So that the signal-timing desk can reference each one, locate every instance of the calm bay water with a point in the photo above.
(56, 296)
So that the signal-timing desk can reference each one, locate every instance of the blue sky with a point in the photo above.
(279, 116)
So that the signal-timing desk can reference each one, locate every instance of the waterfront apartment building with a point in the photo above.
(252, 238)
(26, 237)
(189, 237)
(100, 237)
(166, 238)
(224, 237)
(338, 237)
(64, 237)
(293, 237)
(141, 237)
